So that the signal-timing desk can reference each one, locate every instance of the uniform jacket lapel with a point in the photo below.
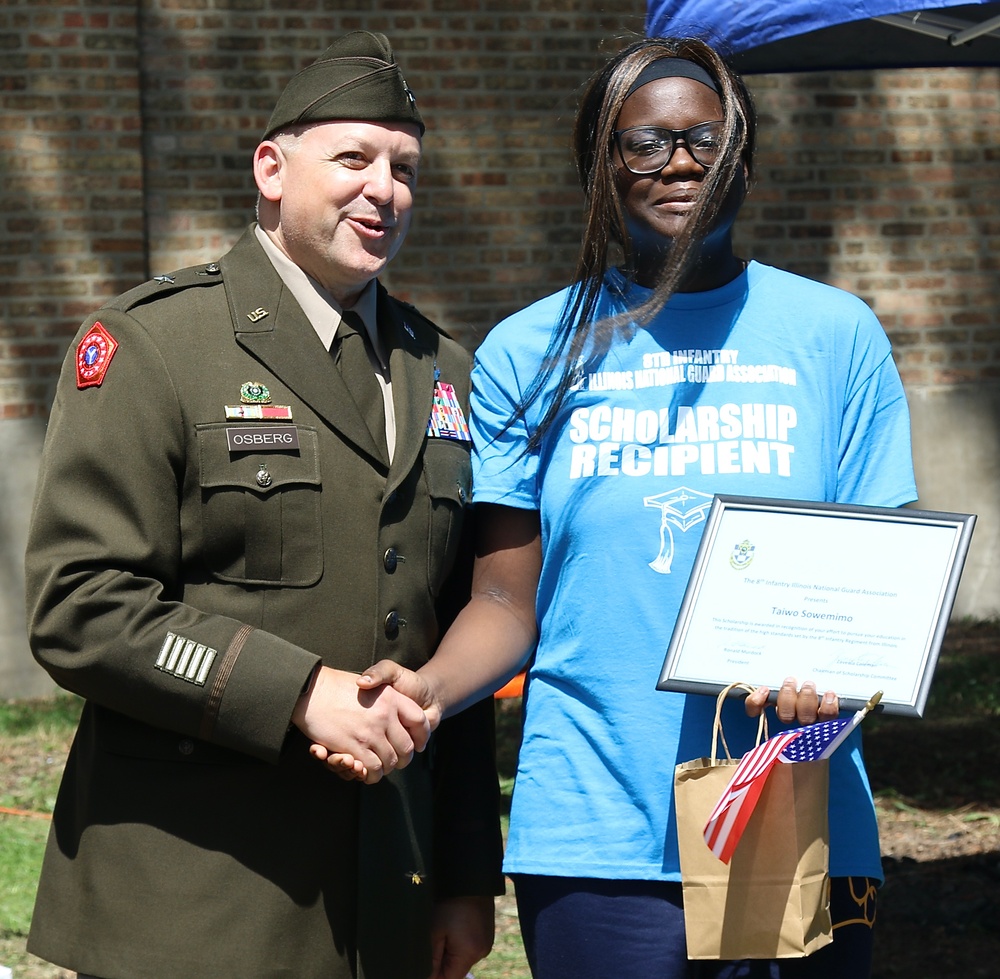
(284, 341)
(412, 346)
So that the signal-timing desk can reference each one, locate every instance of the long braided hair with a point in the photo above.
(579, 331)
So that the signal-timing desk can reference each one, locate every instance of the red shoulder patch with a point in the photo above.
(93, 356)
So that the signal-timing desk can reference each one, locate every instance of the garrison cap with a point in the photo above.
(356, 77)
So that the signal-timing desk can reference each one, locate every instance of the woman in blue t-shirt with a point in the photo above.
(604, 418)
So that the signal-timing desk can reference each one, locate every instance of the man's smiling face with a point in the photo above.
(345, 196)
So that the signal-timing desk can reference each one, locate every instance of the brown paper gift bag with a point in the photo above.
(773, 899)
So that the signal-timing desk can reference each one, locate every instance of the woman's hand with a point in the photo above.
(803, 705)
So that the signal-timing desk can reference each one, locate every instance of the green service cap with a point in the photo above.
(356, 77)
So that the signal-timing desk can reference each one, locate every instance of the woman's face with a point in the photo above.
(658, 204)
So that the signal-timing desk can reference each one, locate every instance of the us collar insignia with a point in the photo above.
(93, 356)
(255, 405)
(409, 330)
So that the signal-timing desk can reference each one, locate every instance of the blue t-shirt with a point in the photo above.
(774, 386)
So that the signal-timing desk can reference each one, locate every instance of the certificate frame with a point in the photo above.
(784, 588)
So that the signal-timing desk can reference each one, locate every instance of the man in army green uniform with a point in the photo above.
(253, 487)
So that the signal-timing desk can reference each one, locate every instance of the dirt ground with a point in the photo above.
(939, 909)
(937, 783)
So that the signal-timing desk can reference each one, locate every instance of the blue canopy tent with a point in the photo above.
(824, 35)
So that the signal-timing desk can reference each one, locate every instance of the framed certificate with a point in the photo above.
(855, 598)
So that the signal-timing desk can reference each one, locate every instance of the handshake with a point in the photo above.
(363, 727)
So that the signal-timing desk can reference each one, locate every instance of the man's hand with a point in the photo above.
(376, 729)
(461, 935)
(384, 674)
(802, 705)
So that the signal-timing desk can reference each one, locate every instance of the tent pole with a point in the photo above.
(976, 30)
(956, 32)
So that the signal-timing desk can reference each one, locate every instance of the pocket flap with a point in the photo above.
(218, 466)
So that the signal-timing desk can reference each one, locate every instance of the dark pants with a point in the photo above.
(584, 928)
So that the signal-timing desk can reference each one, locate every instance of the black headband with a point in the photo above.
(673, 68)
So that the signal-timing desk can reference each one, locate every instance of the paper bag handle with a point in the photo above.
(717, 731)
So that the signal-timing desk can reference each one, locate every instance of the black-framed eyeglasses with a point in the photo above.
(648, 149)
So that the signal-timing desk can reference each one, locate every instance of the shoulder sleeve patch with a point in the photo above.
(93, 356)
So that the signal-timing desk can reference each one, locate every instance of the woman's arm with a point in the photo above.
(495, 633)
(489, 641)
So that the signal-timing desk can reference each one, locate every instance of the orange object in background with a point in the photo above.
(514, 687)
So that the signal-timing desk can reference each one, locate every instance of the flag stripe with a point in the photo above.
(732, 812)
(755, 763)
(734, 822)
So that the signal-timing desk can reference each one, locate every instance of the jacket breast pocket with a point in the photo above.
(448, 474)
(260, 511)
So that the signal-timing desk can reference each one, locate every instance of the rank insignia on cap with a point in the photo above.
(93, 356)
(254, 393)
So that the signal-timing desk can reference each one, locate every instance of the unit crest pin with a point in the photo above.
(254, 393)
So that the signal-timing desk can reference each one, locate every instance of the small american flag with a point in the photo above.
(732, 812)
(817, 741)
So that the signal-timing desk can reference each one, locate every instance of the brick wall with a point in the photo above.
(71, 206)
(888, 184)
(126, 133)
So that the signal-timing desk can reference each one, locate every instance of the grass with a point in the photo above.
(20, 860)
(966, 682)
(34, 738)
(54, 716)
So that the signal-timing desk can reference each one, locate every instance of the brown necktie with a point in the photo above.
(353, 361)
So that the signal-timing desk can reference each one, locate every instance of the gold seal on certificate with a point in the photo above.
(855, 598)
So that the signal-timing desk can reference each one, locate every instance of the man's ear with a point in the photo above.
(268, 169)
